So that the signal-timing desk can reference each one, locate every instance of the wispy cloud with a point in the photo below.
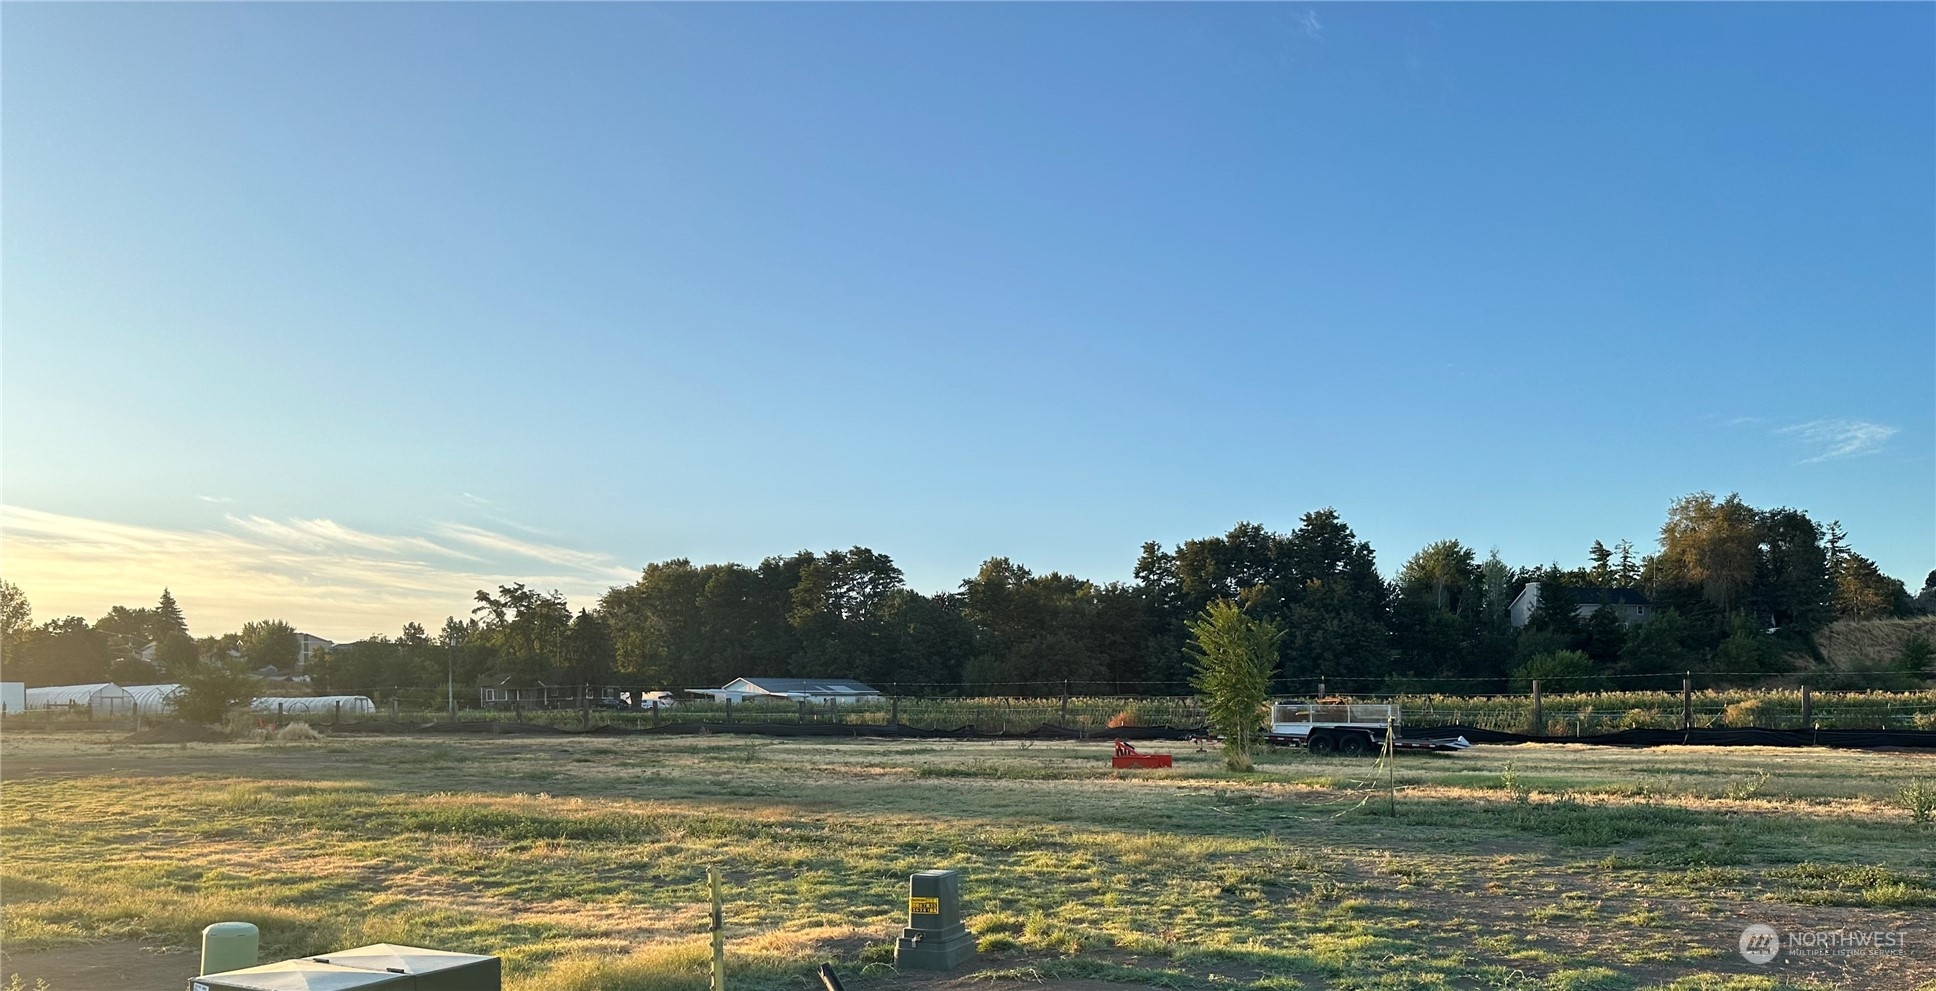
(1834, 439)
(1309, 22)
(549, 553)
(319, 575)
(217, 499)
(329, 535)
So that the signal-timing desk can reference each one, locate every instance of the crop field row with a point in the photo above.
(581, 860)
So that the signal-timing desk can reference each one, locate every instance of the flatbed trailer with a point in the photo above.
(1349, 728)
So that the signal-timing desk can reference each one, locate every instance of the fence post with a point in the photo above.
(729, 708)
(394, 706)
(1320, 688)
(517, 709)
(655, 712)
(801, 716)
(894, 714)
(584, 707)
(1539, 712)
(1687, 701)
(339, 713)
(1063, 719)
(718, 926)
(1808, 706)
(278, 715)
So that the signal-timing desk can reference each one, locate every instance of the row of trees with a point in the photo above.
(1737, 593)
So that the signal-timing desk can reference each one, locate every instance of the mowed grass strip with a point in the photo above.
(582, 862)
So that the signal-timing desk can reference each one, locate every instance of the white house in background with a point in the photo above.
(307, 646)
(817, 690)
(1627, 603)
(13, 697)
(102, 699)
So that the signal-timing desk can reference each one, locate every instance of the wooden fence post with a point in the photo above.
(584, 707)
(1808, 707)
(1539, 712)
(718, 920)
(1687, 701)
(655, 713)
(894, 713)
(1063, 719)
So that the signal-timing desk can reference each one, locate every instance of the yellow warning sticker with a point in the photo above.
(924, 906)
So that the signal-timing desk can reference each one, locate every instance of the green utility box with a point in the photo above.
(300, 975)
(434, 970)
(934, 938)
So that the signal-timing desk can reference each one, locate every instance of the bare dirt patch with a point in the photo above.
(101, 966)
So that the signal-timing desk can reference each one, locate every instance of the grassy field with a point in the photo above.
(581, 860)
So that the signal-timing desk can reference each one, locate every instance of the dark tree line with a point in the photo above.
(1737, 594)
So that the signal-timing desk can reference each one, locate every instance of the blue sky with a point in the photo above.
(333, 312)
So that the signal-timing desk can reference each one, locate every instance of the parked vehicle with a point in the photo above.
(1352, 729)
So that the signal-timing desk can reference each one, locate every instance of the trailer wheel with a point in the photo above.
(1321, 743)
(1354, 744)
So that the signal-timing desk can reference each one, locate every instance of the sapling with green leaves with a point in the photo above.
(1233, 654)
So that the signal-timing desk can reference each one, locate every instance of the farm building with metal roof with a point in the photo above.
(818, 690)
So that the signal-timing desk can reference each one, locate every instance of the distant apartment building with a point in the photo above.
(307, 646)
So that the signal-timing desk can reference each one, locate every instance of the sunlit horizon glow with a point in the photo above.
(319, 576)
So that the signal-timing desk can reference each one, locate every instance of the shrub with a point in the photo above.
(212, 687)
(1131, 715)
(1918, 797)
(1743, 714)
(1559, 671)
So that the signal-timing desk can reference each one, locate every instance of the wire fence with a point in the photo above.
(1558, 715)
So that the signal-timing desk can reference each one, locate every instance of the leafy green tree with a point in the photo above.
(1446, 570)
(1603, 634)
(589, 653)
(1558, 611)
(1712, 544)
(1037, 632)
(528, 628)
(1862, 591)
(214, 685)
(933, 644)
(1660, 647)
(1559, 671)
(1793, 588)
(176, 653)
(270, 643)
(660, 624)
(1916, 655)
(1747, 654)
(1233, 655)
(59, 652)
(16, 613)
(1496, 588)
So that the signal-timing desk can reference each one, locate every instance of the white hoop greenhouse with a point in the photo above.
(315, 705)
(104, 699)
